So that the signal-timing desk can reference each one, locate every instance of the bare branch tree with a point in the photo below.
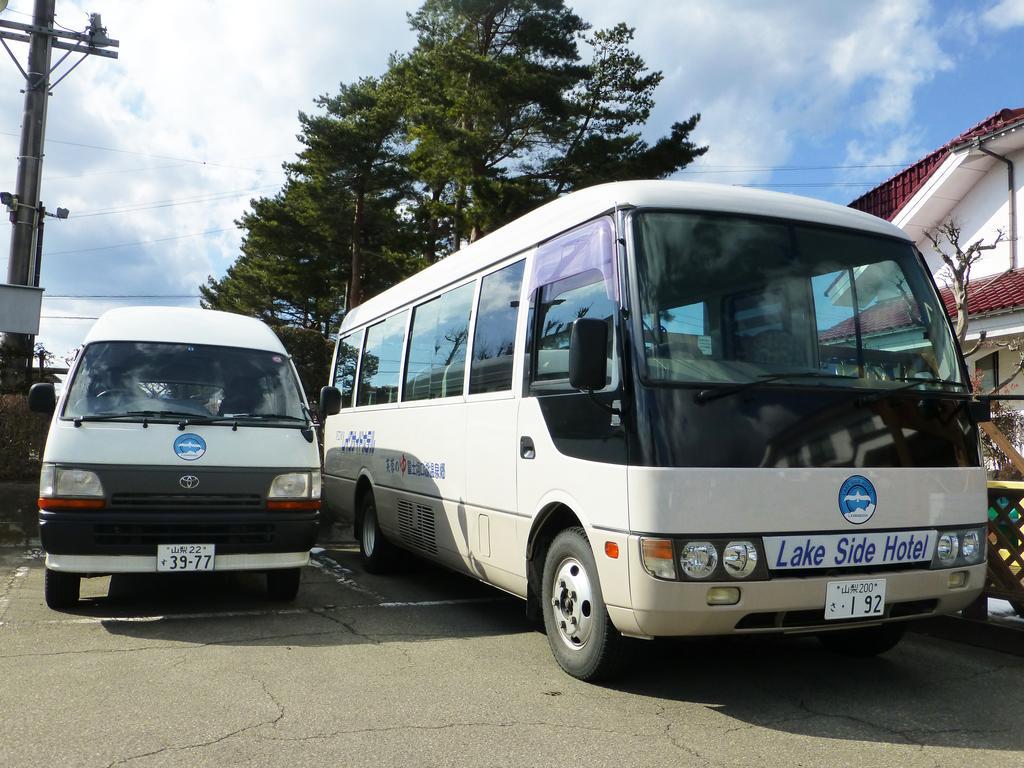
(957, 269)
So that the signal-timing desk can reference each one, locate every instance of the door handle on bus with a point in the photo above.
(526, 449)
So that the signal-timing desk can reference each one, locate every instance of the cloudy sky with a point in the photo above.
(157, 154)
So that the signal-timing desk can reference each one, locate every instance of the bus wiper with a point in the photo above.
(911, 383)
(706, 395)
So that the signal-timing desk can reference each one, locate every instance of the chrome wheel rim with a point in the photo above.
(572, 603)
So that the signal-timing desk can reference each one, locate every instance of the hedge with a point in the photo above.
(22, 437)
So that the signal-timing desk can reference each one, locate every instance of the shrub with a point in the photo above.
(22, 437)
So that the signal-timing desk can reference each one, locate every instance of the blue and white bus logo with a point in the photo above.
(857, 499)
(189, 447)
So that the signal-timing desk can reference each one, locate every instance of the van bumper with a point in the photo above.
(105, 534)
(108, 564)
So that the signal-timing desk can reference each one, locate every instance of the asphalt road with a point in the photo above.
(430, 669)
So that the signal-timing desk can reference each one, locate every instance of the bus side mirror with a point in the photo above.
(330, 402)
(42, 398)
(980, 409)
(588, 354)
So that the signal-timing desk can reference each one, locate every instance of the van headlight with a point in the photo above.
(295, 485)
(58, 482)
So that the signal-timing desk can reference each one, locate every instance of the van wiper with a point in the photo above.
(281, 416)
(192, 418)
(706, 395)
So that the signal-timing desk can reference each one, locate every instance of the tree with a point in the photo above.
(958, 264)
(503, 116)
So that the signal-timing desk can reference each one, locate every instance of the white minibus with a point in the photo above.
(182, 442)
(659, 408)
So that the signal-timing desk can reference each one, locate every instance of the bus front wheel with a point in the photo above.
(863, 643)
(582, 637)
(379, 554)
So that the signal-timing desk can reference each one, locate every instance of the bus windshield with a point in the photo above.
(732, 299)
(134, 379)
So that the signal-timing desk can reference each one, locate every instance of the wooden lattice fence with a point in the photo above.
(1005, 579)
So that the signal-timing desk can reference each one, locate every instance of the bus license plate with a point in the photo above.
(184, 557)
(854, 599)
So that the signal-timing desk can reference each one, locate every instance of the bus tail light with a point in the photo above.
(658, 558)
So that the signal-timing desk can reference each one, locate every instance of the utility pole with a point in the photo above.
(26, 210)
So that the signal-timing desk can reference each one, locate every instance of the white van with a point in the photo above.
(182, 442)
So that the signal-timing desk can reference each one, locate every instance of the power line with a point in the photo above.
(141, 242)
(211, 197)
(773, 168)
(187, 160)
(123, 296)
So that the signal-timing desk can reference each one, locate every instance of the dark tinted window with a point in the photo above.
(495, 333)
(381, 361)
(436, 365)
(345, 367)
(561, 303)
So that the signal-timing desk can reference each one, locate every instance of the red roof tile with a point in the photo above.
(886, 200)
(990, 294)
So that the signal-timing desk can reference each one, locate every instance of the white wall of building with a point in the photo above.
(982, 211)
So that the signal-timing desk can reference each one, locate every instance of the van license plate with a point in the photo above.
(184, 557)
(854, 599)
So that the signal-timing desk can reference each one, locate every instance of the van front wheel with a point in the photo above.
(283, 584)
(61, 589)
(582, 637)
(379, 554)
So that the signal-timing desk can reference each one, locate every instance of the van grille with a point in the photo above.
(121, 534)
(186, 501)
(416, 526)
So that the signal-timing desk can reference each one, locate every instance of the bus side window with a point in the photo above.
(381, 361)
(562, 302)
(345, 367)
(436, 362)
(495, 334)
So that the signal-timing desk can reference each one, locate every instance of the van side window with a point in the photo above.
(495, 334)
(381, 361)
(436, 365)
(561, 303)
(345, 367)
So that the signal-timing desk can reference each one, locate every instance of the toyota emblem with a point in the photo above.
(188, 481)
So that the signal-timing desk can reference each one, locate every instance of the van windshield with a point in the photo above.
(155, 379)
(731, 299)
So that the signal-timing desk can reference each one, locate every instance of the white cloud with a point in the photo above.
(222, 82)
(1005, 14)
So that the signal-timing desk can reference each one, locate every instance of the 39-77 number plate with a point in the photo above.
(184, 557)
(854, 599)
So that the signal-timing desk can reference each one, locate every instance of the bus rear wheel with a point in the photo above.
(379, 554)
(863, 643)
(61, 589)
(582, 637)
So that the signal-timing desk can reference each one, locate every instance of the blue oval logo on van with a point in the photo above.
(189, 446)
(857, 499)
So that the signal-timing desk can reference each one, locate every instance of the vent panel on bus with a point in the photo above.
(416, 526)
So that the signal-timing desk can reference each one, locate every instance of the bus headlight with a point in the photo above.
(971, 549)
(948, 548)
(739, 559)
(698, 559)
